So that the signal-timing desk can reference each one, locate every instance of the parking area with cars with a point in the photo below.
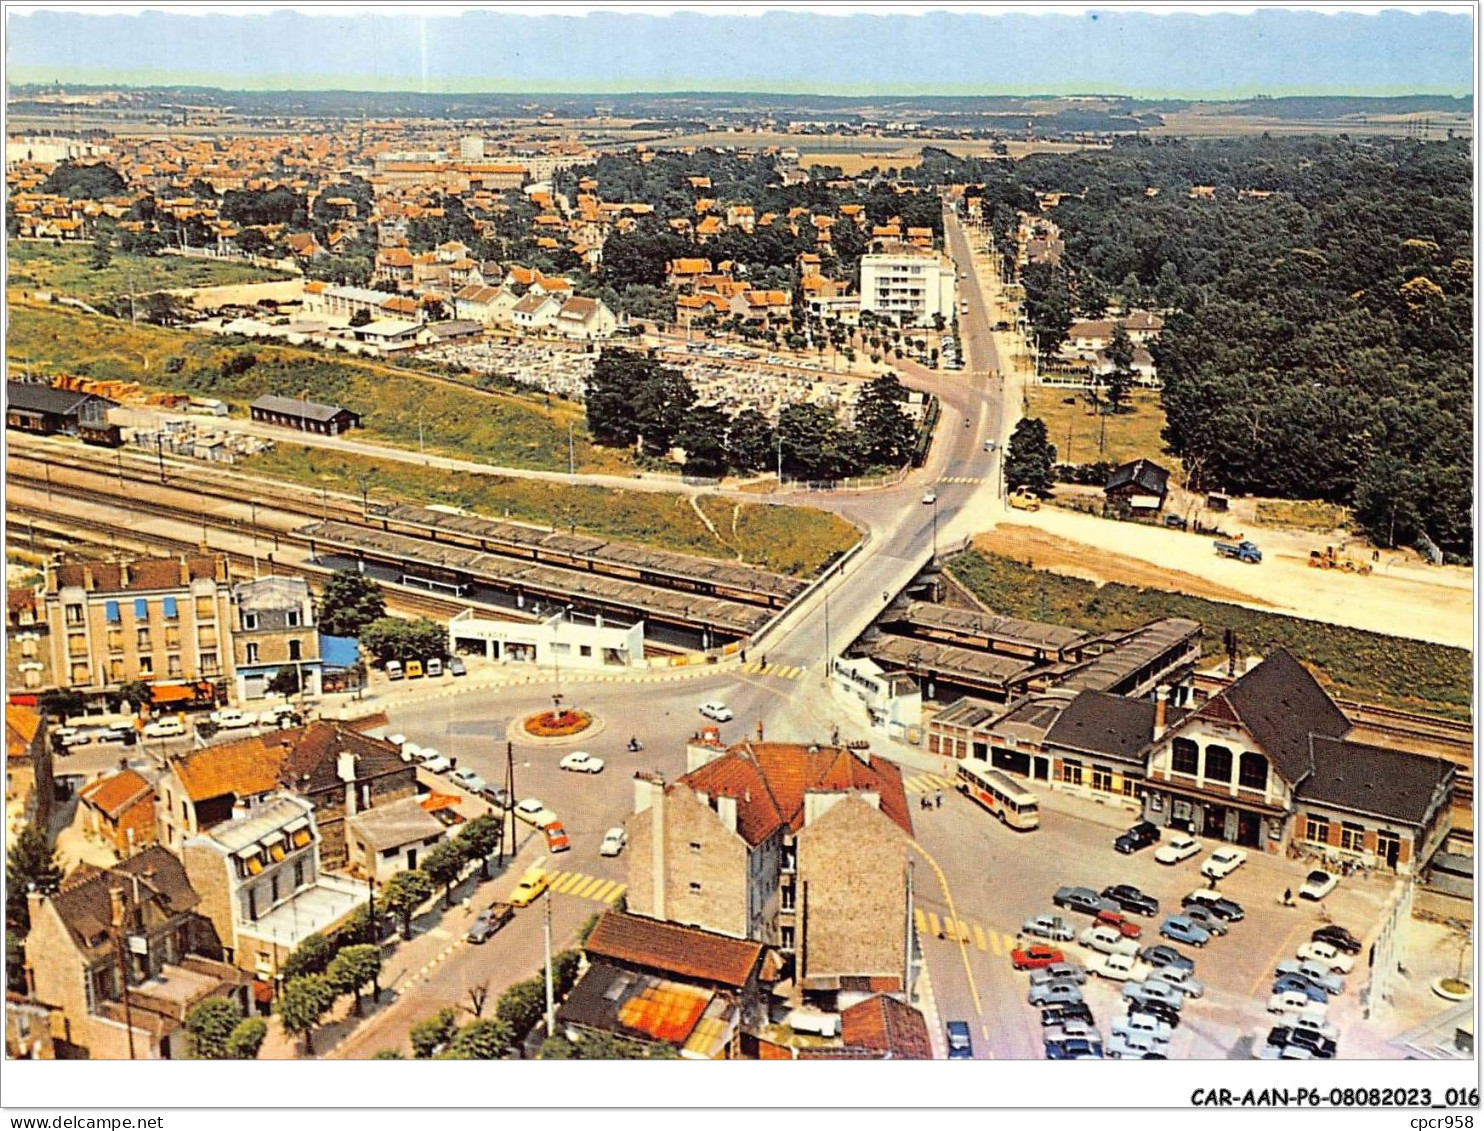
(1128, 921)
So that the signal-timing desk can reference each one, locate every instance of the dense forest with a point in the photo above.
(1319, 338)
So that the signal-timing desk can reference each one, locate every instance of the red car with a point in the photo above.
(1032, 957)
(1116, 920)
(556, 838)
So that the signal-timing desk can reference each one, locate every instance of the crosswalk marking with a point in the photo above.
(588, 888)
(996, 944)
(778, 671)
(986, 940)
(979, 937)
(932, 923)
(606, 890)
(568, 881)
(961, 479)
(617, 892)
(927, 783)
(921, 921)
(583, 886)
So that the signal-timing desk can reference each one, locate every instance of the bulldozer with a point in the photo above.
(1328, 558)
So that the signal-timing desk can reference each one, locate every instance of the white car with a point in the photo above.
(717, 710)
(468, 779)
(1119, 968)
(1223, 862)
(1325, 954)
(1179, 847)
(1291, 1002)
(437, 764)
(581, 762)
(1318, 884)
(232, 719)
(929, 497)
(164, 728)
(398, 740)
(613, 842)
(533, 812)
(72, 736)
(1105, 939)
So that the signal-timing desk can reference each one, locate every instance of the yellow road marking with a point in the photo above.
(605, 891)
(933, 923)
(592, 884)
(979, 938)
(618, 892)
(569, 881)
(996, 943)
(558, 877)
(921, 921)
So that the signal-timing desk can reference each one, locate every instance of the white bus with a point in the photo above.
(1001, 794)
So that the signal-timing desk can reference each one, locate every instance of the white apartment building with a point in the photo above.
(907, 282)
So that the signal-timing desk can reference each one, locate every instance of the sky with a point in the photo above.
(867, 51)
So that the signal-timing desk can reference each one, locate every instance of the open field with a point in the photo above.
(45, 266)
(1204, 122)
(1351, 663)
(792, 540)
(1303, 514)
(498, 428)
(1132, 434)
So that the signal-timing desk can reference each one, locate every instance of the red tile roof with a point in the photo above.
(682, 951)
(244, 768)
(115, 794)
(144, 573)
(883, 1024)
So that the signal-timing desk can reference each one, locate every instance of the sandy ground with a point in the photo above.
(244, 294)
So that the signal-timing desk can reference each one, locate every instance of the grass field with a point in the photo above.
(1351, 663)
(1132, 434)
(44, 266)
(499, 428)
(1304, 514)
(792, 540)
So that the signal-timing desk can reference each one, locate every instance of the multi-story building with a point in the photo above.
(273, 629)
(909, 283)
(124, 954)
(155, 619)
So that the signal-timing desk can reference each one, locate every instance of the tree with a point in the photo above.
(360, 317)
(481, 1040)
(1031, 457)
(137, 693)
(814, 445)
(703, 435)
(479, 994)
(349, 602)
(1048, 303)
(312, 956)
(477, 839)
(30, 866)
(102, 254)
(442, 864)
(60, 703)
(750, 441)
(286, 681)
(388, 1054)
(302, 1004)
(521, 1007)
(1120, 379)
(404, 893)
(252, 241)
(564, 967)
(604, 1046)
(74, 180)
(427, 1035)
(209, 1025)
(352, 968)
(660, 407)
(246, 1039)
(885, 433)
(391, 638)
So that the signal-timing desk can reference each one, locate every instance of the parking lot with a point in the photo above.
(999, 878)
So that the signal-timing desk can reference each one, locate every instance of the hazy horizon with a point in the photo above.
(1117, 53)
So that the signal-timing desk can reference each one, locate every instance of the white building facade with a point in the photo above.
(911, 284)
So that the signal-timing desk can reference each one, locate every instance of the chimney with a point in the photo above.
(726, 809)
(345, 768)
(87, 576)
(123, 575)
(1161, 706)
(116, 908)
(185, 570)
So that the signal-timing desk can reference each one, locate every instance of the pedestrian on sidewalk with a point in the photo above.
(1211, 882)
(1287, 897)
(938, 799)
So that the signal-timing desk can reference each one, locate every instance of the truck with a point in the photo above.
(1241, 551)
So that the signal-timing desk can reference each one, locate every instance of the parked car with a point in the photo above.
(456, 666)
(1290, 1001)
(532, 883)
(1176, 522)
(1061, 1014)
(1054, 993)
(1326, 954)
(1052, 927)
(929, 496)
(614, 841)
(1140, 993)
(1084, 900)
(1071, 1031)
(489, 921)
(468, 779)
(436, 763)
(1313, 1020)
(581, 762)
(1116, 920)
(435, 667)
(1160, 956)
(1177, 848)
(989, 445)
(1223, 862)
(1294, 983)
(1219, 905)
(1137, 1023)
(1284, 1052)
(394, 669)
(1106, 940)
(717, 710)
(1319, 1046)
(1159, 1009)
(123, 734)
(1139, 836)
(1337, 937)
(556, 837)
(71, 736)
(1119, 967)
(1064, 971)
(1183, 980)
(1184, 929)
(1203, 916)
(1315, 972)
(1318, 884)
(230, 718)
(499, 798)
(1076, 1048)
(532, 812)
(414, 669)
(1035, 956)
(1135, 1046)
(960, 1041)
(1024, 499)
(164, 728)
(1132, 899)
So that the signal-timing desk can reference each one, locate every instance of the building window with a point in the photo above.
(786, 938)
(1102, 779)
(585, 650)
(695, 846)
(1218, 763)
(111, 612)
(146, 665)
(299, 872)
(74, 614)
(1071, 771)
(1316, 829)
(1184, 756)
(206, 636)
(252, 904)
(115, 671)
(1352, 837)
(695, 887)
(273, 887)
(786, 893)
(1253, 771)
(208, 663)
(172, 610)
(296, 650)
(142, 639)
(115, 640)
(293, 616)
(172, 636)
(141, 609)
(252, 653)
(77, 644)
(172, 664)
(205, 608)
(81, 673)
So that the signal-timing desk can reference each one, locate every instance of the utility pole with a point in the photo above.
(48, 469)
(160, 453)
(907, 968)
(510, 796)
(123, 965)
(550, 989)
(254, 504)
(420, 450)
(935, 526)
